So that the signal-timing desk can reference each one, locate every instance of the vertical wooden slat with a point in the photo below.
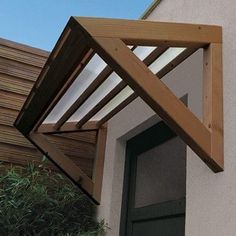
(213, 99)
(99, 163)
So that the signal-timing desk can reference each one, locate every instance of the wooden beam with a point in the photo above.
(213, 100)
(140, 32)
(157, 96)
(99, 163)
(66, 128)
(63, 162)
(60, 69)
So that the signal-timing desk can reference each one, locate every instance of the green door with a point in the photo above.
(154, 184)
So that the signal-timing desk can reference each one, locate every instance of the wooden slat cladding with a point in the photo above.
(10, 135)
(19, 69)
(23, 57)
(20, 66)
(24, 48)
(11, 101)
(19, 155)
(7, 116)
(20, 86)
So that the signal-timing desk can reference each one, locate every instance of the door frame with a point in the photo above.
(160, 133)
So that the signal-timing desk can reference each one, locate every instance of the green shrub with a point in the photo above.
(36, 201)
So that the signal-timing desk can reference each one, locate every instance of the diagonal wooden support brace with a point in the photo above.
(63, 162)
(157, 95)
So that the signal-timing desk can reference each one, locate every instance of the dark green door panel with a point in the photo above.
(173, 226)
(154, 184)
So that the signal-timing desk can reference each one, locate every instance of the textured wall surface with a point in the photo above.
(211, 198)
(20, 66)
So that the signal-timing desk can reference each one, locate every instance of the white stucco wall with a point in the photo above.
(211, 198)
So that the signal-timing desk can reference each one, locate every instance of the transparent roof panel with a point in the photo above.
(118, 99)
(143, 52)
(97, 96)
(106, 87)
(81, 83)
(85, 78)
(88, 75)
(165, 58)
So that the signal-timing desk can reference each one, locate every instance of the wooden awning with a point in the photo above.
(99, 66)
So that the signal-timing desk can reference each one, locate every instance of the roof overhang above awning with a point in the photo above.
(99, 66)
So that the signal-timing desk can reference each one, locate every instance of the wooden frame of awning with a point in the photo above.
(109, 38)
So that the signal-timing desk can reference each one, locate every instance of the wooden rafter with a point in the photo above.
(49, 128)
(99, 163)
(81, 39)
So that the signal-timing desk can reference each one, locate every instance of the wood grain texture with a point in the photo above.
(67, 127)
(83, 37)
(61, 68)
(213, 100)
(32, 51)
(139, 32)
(20, 66)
